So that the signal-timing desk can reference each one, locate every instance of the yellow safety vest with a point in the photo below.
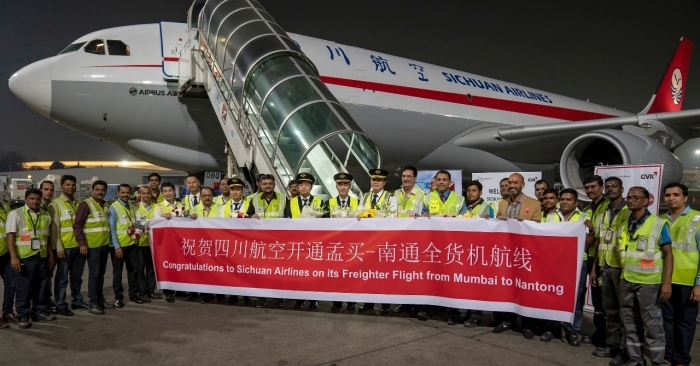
(66, 212)
(295, 207)
(452, 205)
(594, 217)
(96, 227)
(685, 248)
(479, 209)
(158, 199)
(575, 217)
(125, 219)
(188, 205)
(272, 210)
(214, 211)
(642, 265)
(229, 209)
(607, 235)
(406, 206)
(144, 214)
(381, 200)
(34, 226)
(4, 210)
(351, 201)
(219, 200)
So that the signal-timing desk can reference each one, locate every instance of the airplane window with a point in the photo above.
(72, 48)
(97, 47)
(118, 48)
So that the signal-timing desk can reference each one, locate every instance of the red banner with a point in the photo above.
(521, 267)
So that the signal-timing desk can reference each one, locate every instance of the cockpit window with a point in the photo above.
(97, 47)
(118, 48)
(72, 48)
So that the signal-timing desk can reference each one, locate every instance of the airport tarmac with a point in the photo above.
(191, 333)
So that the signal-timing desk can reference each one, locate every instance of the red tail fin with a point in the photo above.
(669, 96)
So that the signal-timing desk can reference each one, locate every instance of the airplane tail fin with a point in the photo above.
(669, 95)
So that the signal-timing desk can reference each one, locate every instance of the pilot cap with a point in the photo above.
(378, 173)
(305, 177)
(235, 182)
(342, 178)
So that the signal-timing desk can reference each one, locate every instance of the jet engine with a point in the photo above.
(614, 147)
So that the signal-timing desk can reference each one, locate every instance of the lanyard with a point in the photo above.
(34, 224)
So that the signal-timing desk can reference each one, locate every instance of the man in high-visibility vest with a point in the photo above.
(145, 273)
(442, 201)
(479, 208)
(343, 201)
(154, 185)
(91, 228)
(540, 186)
(47, 192)
(550, 203)
(681, 310)
(167, 209)
(225, 196)
(409, 198)
(28, 233)
(376, 198)
(593, 185)
(606, 271)
(567, 212)
(647, 270)
(192, 199)
(70, 264)
(294, 208)
(267, 204)
(237, 207)
(122, 223)
(6, 272)
(206, 209)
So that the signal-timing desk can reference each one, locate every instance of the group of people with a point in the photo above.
(643, 268)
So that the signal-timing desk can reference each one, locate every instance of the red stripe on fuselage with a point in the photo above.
(475, 100)
(129, 66)
(174, 59)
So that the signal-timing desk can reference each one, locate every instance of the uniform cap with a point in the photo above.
(301, 177)
(342, 177)
(378, 173)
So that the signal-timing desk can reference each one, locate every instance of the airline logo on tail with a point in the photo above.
(677, 86)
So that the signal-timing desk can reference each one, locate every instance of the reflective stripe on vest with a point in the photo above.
(454, 202)
(685, 248)
(272, 210)
(351, 201)
(142, 216)
(381, 200)
(407, 206)
(96, 226)
(28, 231)
(642, 266)
(295, 208)
(229, 209)
(480, 209)
(125, 219)
(66, 215)
(219, 200)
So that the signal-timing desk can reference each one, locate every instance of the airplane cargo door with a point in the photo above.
(173, 37)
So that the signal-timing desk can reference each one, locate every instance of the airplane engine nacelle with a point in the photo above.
(614, 147)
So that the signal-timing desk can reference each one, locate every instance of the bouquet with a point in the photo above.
(469, 215)
(179, 211)
(134, 232)
(342, 212)
(385, 211)
(312, 212)
(239, 215)
(368, 213)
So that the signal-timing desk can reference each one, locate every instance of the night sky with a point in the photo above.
(613, 53)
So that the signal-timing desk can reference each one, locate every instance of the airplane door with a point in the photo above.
(173, 37)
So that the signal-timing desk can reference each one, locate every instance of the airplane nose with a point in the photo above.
(32, 85)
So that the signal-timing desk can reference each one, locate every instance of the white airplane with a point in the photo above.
(124, 85)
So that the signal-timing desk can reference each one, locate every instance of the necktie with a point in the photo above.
(236, 206)
(304, 201)
(342, 203)
(375, 198)
(195, 201)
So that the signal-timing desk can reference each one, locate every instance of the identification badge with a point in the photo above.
(434, 207)
(36, 244)
(642, 244)
(608, 236)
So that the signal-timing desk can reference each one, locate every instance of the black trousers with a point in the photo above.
(49, 279)
(130, 257)
(146, 274)
(97, 265)
(598, 310)
(69, 272)
(679, 314)
(31, 286)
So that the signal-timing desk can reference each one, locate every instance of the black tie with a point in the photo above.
(374, 200)
(342, 203)
(195, 201)
(304, 201)
(237, 206)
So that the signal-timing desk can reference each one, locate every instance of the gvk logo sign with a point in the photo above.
(648, 176)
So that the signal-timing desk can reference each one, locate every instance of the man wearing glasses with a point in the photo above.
(647, 269)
